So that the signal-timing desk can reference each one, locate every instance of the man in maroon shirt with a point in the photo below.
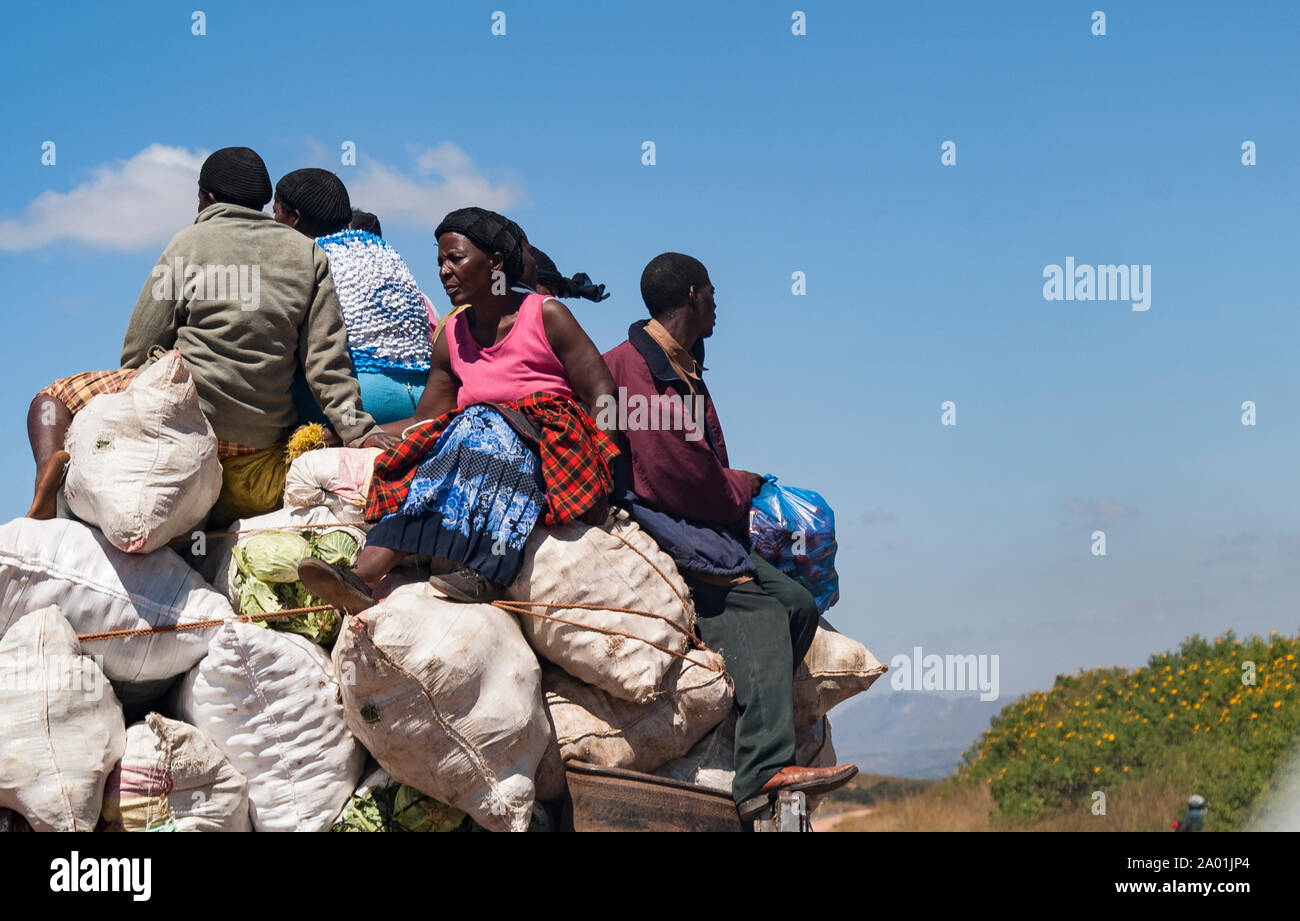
(681, 489)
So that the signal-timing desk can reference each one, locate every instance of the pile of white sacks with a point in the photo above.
(242, 727)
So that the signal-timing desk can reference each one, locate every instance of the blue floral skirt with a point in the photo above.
(474, 500)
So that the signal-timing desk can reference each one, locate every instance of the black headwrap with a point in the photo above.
(318, 195)
(547, 273)
(238, 176)
(578, 286)
(490, 232)
(364, 220)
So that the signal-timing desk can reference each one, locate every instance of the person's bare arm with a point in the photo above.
(582, 361)
(440, 390)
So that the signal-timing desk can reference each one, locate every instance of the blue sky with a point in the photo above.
(778, 153)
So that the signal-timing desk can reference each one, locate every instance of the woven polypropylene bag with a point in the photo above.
(218, 564)
(144, 466)
(99, 589)
(336, 477)
(447, 698)
(711, 763)
(616, 568)
(61, 728)
(270, 702)
(835, 668)
(595, 727)
(172, 777)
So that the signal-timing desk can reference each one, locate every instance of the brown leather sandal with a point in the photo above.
(342, 588)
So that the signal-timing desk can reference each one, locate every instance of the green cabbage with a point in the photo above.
(338, 548)
(320, 626)
(255, 596)
(267, 579)
(272, 556)
(397, 807)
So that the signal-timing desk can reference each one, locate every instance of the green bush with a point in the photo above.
(1192, 715)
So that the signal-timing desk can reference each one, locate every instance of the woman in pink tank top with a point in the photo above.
(520, 363)
(475, 497)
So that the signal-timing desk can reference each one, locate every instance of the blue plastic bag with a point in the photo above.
(794, 530)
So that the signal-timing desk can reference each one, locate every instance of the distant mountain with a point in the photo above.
(909, 733)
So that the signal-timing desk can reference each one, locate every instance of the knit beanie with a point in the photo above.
(238, 176)
(364, 220)
(490, 232)
(318, 195)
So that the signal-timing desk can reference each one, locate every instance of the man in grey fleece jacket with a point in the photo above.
(265, 302)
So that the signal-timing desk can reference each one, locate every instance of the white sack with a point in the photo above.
(711, 764)
(614, 566)
(172, 777)
(270, 702)
(144, 466)
(336, 477)
(61, 729)
(835, 668)
(447, 699)
(594, 727)
(99, 588)
(217, 564)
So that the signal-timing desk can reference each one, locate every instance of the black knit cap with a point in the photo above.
(490, 232)
(318, 195)
(237, 176)
(364, 220)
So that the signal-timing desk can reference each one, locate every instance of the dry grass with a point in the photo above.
(1149, 804)
(967, 809)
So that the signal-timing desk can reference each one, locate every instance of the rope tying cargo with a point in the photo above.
(200, 624)
(516, 607)
(513, 607)
(283, 527)
(599, 607)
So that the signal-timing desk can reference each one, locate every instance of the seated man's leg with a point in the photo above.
(751, 630)
(797, 601)
(48, 420)
(47, 427)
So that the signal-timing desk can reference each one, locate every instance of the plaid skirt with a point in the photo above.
(474, 499)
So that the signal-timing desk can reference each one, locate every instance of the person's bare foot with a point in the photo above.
(48, 480)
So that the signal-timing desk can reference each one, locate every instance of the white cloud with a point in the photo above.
(446, 180)
(128, 205)
(139, 203)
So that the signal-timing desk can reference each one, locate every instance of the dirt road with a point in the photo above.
(834, 821)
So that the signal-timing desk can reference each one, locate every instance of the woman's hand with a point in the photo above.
(381, 440)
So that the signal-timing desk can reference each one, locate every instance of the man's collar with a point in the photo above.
(226, 209)
(654, 356)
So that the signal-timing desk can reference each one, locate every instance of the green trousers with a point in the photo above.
(762, 629)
